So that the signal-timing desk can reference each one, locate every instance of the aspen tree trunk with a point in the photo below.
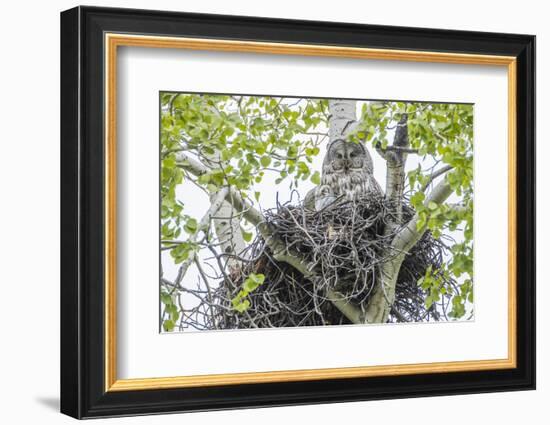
(379, 306)
(342, 118)
(226, 219)
(228, 231)
(227, 225)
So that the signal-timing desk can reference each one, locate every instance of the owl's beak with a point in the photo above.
(346, 164)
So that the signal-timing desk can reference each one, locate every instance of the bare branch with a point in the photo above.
(435, 175)
(393, 148)
(203, 224)
(279, 249)
(233, 197)
(459, 208)
(208, 288)
(192, 165)
(380, 151)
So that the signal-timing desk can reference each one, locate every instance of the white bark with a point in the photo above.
(228, 231)
(342, 118)
(215, 206)
(226, 223)
(395, 175)
(380, 304)
(233, 197)
(381, 301)
(409, 235)
(240, 206)
(352, 312)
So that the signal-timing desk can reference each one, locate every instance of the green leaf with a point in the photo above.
(169, 162)
(168, 325)
(247, 236)
(191, 226)
(417, 199)
(242, 306)
(204, 178)
(422, 219)
(429, 301)
(265, 161)
(249, 285)
(165, 298)
(432, 206)
(258, 278)
(252, 282)
(316, 178)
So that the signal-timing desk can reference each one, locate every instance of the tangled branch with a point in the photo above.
(342, 249)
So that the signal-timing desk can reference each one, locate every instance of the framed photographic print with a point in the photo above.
(261, 212)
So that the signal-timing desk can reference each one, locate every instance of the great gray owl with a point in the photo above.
(347, 175)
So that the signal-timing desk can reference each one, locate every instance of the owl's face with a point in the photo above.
(347, 170)
(344, 157)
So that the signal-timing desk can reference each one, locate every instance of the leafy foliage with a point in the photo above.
(442, 134)
(170, 311)
(241, 302)
(239, 138)
(242, 138)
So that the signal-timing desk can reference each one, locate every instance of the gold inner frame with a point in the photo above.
(113, 41)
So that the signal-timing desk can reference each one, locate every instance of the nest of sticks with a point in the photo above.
(345, 244)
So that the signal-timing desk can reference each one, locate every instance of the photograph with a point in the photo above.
(285, 211)
(299, 209)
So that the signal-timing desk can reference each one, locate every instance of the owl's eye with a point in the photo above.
(353, 154)
(339, 156)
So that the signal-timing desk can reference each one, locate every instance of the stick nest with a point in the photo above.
(344, 246)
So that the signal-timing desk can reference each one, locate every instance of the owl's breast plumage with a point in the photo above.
(347, 175)
(352, 184)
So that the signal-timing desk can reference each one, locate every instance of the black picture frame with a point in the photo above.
(83, 392)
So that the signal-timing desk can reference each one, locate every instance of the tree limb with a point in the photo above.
(379, 306)
(380, 303)
(279, 249)
(459, 208)
(393, 148)
(396, 157)
(435, 175)
(204, 223)
(410, 235)
(233, 197)
(352, 312)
